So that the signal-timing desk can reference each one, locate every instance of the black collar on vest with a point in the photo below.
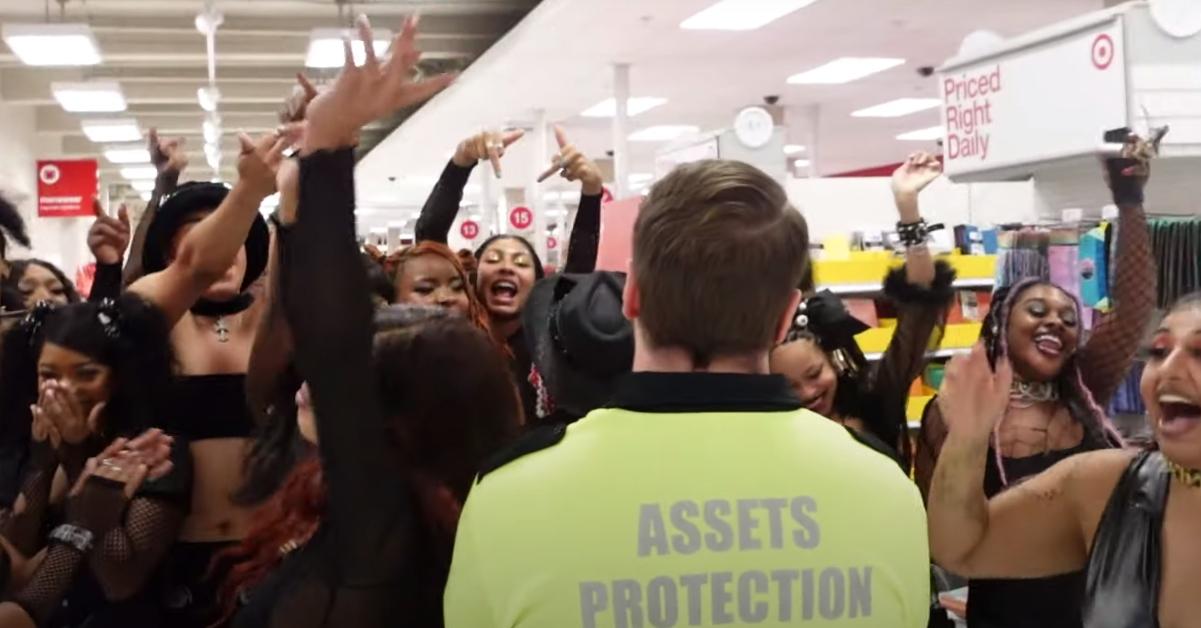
(240, 303)
(704, 392)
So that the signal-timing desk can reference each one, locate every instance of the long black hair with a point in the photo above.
(11, 226)
(128, 335)
(539, 271)
(14, 300)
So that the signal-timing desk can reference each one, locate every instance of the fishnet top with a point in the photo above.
(1109, 351)
(109, 586)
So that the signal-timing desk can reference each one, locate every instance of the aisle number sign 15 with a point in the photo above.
(521, 218)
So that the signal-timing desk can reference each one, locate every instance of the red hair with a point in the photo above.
(475, 309)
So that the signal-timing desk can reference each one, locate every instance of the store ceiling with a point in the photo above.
(559, 58)
(153, 49)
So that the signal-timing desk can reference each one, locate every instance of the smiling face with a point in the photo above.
(39, 284)
(809, 372)
(80, 375)
(506, 275)
(431, 280)
(230, 284)
(1042, 332)
(1171, 385)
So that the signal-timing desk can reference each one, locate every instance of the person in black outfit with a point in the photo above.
(380, 552)
(508, 264)
(1128, 518)
(73, 378)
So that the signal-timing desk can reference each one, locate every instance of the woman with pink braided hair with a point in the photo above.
(1061, 383)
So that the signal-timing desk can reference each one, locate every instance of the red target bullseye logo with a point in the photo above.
(1103, 51)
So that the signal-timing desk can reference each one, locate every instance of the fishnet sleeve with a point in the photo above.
(50, 583)
(1108, 353)
(22, 524)
(129, 553)
(930, 437)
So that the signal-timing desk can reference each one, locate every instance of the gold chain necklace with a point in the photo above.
(1188, 477)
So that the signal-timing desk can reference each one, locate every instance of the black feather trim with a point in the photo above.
(898, 288)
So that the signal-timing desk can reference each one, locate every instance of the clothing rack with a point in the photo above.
(1176, 246)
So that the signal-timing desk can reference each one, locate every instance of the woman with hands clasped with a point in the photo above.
(1130, 519)
(90, 374)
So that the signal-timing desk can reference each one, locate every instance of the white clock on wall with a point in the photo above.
(1178, 18)
(753, 127)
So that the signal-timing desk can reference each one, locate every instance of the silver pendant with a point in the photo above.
(221, 329)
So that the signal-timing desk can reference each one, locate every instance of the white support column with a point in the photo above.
(812, 127)
(489, 221)
(540, 157)
(621, 153)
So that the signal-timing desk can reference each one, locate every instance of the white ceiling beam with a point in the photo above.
(268, 8)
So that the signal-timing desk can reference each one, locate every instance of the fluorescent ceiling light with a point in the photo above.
(923, 135)
(897, 108)
(663, 132)
(793, 149)
(326, 51)
(801, 163)
(113, 130)
(135, 173)
(52, 44)
(127, 155)
(208, 97)
(211, 132)
(93, 97)
(145, 186)
(844, 70)
(607, 108)
(742, 15)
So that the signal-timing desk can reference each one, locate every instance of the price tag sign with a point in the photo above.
(521, 218)
(470, 229)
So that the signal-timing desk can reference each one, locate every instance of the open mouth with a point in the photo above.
(1180, 414)
(503, 291)
(1048, 344)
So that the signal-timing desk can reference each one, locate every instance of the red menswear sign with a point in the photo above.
(66, 187)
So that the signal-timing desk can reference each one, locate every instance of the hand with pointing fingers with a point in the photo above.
(259, 162)
(574, 166)
(488, 145)
(108, 237)
(362, 94)
(167, 155)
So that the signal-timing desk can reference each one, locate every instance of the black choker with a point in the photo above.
(240, 303)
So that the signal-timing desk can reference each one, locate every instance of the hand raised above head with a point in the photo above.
(918, 171)
(167, 155)
(490, 145)
(362, 94)
(108, 237)
(259, 162)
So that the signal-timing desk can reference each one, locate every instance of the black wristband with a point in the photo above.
(1127, 188)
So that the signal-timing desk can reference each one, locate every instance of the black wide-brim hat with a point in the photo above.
(578, 338)
(188, 200)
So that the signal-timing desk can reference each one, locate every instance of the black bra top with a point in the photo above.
(1123, 572)
(210, 406)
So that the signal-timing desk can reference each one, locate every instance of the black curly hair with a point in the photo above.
(11, 226)
(129, 335)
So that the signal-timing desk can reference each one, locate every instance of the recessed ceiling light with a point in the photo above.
(127, 155)
(793, 149)
(844, 70)
(92, 97)
(112, 130)
(922, 135)
(663, 132)
(139, 173)
(742, 15)
(326, 51)
(801, 163)
(897, 108)
(142, 185)
(52, 44)
(608, 108)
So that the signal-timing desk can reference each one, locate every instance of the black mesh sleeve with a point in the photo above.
(585, 236)
(50, 583)
(440, 209)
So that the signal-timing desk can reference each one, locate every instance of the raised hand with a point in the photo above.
(915, 174)
(362, 94)
(575, 166)
(297, 103)
(259, 162)
(108, 237)
(973, 397)
(166, 155)
(63, 417)
(488, 145)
